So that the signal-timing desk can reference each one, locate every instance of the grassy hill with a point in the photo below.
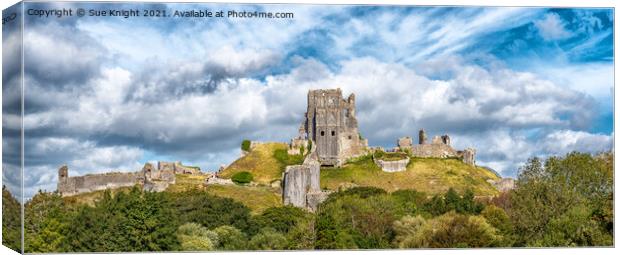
(265, 161)
(257, 198)
(430, 175)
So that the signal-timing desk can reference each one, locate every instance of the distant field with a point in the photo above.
(266, 162)
(423, 174)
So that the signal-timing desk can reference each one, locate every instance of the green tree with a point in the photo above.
(368, 221)
(230, 238)
(407, 227)
(268, 239)
(303, 235)
(546, 192)
(128, 221)
(44, 223)
(212, 211)
(499, 219)
(11, 221)
(282, 219)
(452, 230)
(245, 145)
(412, 201)
(194, 237)
(575, 228)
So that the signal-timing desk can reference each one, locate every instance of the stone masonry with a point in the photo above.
(149, 178)
(301, 184)
(331, 125)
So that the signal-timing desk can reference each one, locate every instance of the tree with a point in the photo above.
(211, 211)
(452, 230)
(303, 235)
(575, 228)
(245, 145)
(282, 219)
(268, 239)
(498, 218)
(367, 221)
(44, 223)
(128, 221)
(194, 237)
(412, 201)
(230, 238)
(546, 193)
(11, 221)
(406, 227)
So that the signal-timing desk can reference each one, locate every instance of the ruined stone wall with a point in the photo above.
(433, 150)
(469, 156)
(88, 183)
(301, 184)
(393, 166)
(176, 167)
(405, 143)
(148, 177)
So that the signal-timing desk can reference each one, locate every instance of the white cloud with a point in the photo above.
(552, 27)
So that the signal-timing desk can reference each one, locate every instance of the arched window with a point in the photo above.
(333, 133)
(322, 133)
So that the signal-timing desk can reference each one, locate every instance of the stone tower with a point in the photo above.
(63, 173)
(331, 124)
(422, 136)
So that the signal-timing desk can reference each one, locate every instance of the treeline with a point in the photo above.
(565, 201)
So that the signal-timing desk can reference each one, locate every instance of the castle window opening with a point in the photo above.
(350, 137)
(333, 133)
(322, 133)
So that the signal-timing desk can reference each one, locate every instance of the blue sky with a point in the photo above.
(511, 82)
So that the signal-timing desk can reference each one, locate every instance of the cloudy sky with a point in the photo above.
(113, 93)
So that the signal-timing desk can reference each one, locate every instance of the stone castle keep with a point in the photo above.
(330, 122)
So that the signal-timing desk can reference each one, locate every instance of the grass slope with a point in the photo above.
(256, 198)
(430, 175)
(266, 162)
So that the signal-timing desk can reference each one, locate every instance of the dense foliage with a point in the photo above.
(245, 145)
(242, 177)
(11, 222)
(563, 201)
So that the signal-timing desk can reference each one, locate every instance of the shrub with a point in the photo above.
(309, 145)
(268, 239)
(194, 237)
(245, 145)
(282, 219)
(230, 238)
(452, 230)
(242, 177)
(211, 211)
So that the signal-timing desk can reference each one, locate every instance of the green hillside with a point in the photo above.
(266, 162)
(430, 175)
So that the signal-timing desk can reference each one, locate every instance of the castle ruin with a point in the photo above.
(149, 178)
(331, 124)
